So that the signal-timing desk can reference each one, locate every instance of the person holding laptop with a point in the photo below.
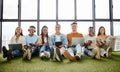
(18, 38)
(58, 45)
(31, 42)
(43, 42)
(74, 50)
(90, 44)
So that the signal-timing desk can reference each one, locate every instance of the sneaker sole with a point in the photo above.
(58, 54)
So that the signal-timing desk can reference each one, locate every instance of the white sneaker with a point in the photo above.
(47, 55)
(42, 54)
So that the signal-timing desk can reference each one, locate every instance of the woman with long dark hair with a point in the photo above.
(103, 42)
(43, 41)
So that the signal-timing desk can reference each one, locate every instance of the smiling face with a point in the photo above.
(91, 31)
(45, 31)
(57, 28)
(101, 31)
(74, 27)
(31, 31)
(18, 31)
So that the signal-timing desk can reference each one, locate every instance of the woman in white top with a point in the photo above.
(18, 38)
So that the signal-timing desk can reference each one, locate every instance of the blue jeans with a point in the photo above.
(43, 48)
(17, 53)
(88, 52)
(33, 49)
(77, 50)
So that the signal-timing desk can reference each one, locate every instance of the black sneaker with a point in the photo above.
(105, 55)
(9, 55)
(5, 52)
(52, 53)
(58, 55)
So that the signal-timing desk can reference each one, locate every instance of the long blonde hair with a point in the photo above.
(21, 31)
(21, 34)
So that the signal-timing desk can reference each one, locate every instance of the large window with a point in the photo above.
(65, 9)
(83, 27)
(116, 28)
(47, 9)
(65, 27)
(25, 26)
(10, 9)
(50, 25)
(102, 9)
(64, 12)
(84, 9)
(116, 9)
(28, 9)
(8, 30)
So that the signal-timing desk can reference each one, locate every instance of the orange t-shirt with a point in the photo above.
(69, 37)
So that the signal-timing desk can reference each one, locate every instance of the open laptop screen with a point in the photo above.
(76, 40)
(15, 46)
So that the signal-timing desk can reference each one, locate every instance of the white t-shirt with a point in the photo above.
(58, 38)
(93, 39)
(45, 39)
(21, 40)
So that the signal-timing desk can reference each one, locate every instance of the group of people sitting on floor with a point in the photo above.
(58, 45)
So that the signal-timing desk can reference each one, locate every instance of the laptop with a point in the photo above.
(76, 40)
(57, 44)
(15, 46)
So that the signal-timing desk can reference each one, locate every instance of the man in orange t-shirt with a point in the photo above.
(75, 51)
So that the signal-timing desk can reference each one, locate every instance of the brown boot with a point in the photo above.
(94, 52)
(78, 56)
(24, 54)
(109, 52)
(67, 55)
(98, 53)
(29, 54)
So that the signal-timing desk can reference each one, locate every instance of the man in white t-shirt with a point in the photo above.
(90, 45)
(58, 45)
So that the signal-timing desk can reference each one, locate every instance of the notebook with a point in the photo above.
(15, 46)
(76, 41)
(57, 44)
